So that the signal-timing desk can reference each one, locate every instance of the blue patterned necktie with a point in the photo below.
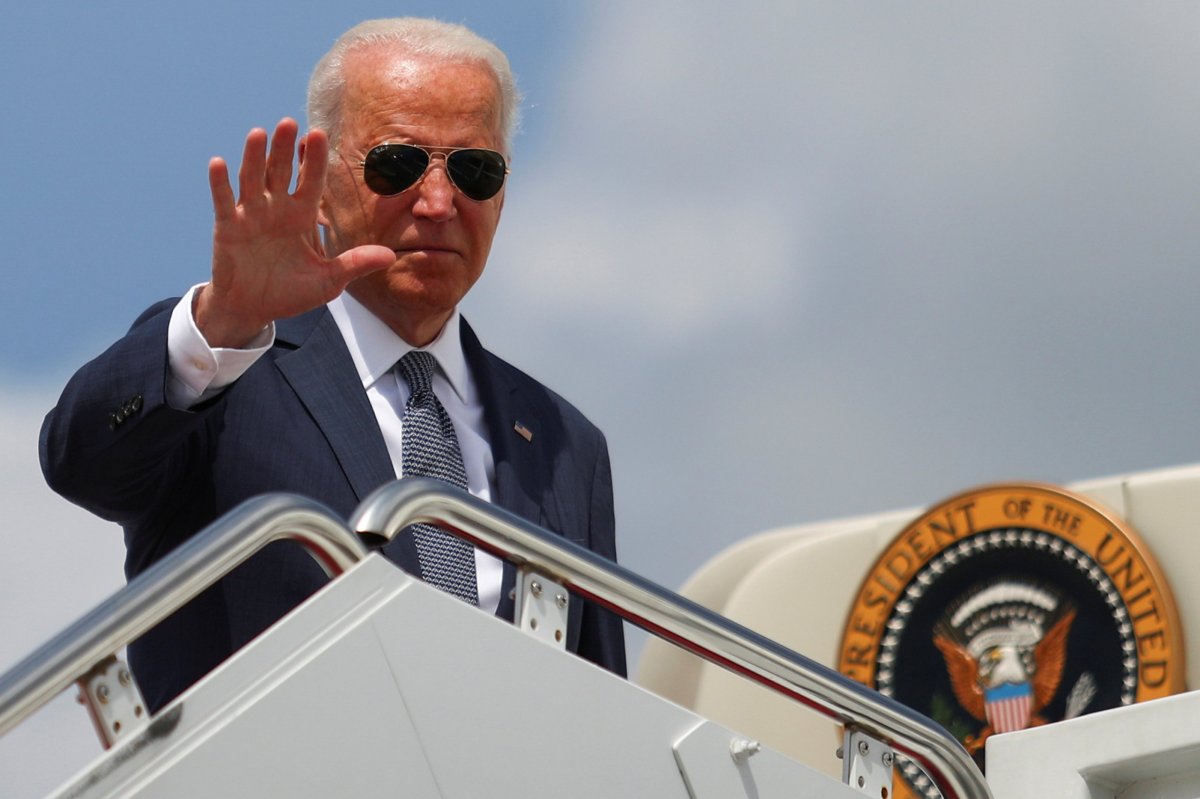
(429, 448)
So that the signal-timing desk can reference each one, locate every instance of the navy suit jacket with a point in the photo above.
(298, 420)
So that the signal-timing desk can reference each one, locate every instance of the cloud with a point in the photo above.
(706, 159)
(648, 267)
(804, 260)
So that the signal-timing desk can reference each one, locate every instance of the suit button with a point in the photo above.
(136, 403)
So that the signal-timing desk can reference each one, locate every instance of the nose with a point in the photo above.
(435, 193)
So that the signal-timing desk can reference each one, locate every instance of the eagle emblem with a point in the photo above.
(1005, 647)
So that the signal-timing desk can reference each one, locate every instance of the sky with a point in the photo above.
(798, 260)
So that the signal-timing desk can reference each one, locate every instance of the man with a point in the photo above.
(290, 369)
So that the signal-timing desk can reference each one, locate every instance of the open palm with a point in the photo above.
(268, 263)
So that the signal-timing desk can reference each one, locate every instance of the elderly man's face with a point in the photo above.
(441, 238)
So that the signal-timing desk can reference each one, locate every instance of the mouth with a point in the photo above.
(431, 249)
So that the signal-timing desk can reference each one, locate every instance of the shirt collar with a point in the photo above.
(375, 347)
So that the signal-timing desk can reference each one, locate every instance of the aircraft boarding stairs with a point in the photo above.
(379, 685)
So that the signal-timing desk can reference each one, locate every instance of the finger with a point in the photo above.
(360, 261)
(313, 164)
(279, 161)
(250, 173)
(222, 193)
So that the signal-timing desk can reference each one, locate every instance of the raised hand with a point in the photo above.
(268, 262)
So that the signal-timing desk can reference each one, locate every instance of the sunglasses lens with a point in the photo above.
(479, 174)
(391, 168)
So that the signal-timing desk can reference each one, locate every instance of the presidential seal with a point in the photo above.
(1010, 606)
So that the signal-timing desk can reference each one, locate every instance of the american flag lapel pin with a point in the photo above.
(523, 431)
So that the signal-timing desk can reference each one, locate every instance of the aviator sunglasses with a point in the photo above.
(390, 169)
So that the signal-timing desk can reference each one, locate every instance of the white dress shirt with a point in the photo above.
(198, 372)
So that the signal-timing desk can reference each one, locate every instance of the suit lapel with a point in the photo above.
(322, 374)
(518, 467)
(518, 475)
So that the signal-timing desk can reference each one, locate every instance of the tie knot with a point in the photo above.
(417, 370)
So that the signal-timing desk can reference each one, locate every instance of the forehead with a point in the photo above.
(423, 99)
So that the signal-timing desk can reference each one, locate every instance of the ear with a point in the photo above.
(301, 151)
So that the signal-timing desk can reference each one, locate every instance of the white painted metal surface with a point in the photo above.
(714, 767)
(541, 607)
(867, 763)
(382, 686)
(1146, 751)
(113, 700)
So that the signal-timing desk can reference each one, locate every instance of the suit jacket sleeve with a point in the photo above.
(112, 444)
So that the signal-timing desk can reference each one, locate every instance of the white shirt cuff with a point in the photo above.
(198, 372)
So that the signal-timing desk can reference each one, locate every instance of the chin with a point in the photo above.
(429, 296)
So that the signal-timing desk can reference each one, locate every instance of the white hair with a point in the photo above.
(428, 37)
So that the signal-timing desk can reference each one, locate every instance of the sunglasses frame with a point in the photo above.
(430, 153)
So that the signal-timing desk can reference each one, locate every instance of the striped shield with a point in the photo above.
(1008, 706)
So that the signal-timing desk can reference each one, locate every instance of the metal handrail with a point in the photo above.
(397, 505)
(167, 586)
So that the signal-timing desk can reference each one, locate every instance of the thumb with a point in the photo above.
(359, 261)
